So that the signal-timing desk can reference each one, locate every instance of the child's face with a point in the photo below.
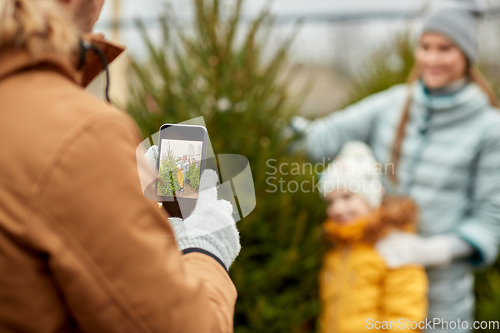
(345, 206)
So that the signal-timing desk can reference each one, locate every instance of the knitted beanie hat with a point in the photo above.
(459, 23)
(356, 170)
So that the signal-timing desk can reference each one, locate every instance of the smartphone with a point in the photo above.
(181, 161)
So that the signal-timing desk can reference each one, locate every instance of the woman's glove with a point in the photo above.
(299, 124)
(297, 128)
(210, 227)
(403, 248)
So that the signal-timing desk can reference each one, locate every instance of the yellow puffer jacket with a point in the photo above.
(359, 292)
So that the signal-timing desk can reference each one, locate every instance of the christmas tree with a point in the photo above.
(203, 70)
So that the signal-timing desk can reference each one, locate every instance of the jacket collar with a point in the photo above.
(449, 89)
(13, 61)
(447, 109)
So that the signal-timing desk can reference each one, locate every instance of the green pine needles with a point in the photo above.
(204, 69)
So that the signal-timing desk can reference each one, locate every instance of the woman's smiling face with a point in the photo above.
(439, 60)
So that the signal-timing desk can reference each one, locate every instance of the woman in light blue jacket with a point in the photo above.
(439, 135)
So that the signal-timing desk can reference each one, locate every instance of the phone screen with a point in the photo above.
(180, 164)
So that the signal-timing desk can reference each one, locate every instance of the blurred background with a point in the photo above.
(336, 39)
(247, 66)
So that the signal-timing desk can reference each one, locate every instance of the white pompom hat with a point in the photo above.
(356, 170)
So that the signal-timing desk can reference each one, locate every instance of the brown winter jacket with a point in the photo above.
(81, 248)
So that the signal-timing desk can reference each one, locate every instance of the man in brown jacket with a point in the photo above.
(81, 248)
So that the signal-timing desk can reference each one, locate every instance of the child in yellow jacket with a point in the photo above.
(359, 293)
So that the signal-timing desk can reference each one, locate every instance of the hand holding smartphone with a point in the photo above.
(181, 161)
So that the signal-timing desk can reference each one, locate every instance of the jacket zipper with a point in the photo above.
(417, 157)
(344, 261)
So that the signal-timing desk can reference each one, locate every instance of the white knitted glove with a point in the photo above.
(210, 228)
(152, 156)
(403, 248)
